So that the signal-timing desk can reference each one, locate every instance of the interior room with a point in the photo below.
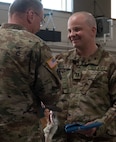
(56, 17)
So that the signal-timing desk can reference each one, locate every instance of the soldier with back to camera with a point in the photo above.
(27, 74)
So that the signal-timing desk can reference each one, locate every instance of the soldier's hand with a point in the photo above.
(89, 132)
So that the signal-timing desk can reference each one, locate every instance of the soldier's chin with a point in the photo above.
(74, 44)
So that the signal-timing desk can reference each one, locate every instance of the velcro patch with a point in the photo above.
(52, 63)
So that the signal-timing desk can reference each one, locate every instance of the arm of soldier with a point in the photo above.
(107, 120)
(34, 63)
(110, 115)
(46, 83)
(39, 54)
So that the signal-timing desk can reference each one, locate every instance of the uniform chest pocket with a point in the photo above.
(66, 79)
(85, 79)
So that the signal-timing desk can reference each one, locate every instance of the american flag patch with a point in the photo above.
(52, 63)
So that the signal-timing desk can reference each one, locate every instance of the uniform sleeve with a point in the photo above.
(34, 63)
(45, 82)
(109, 119)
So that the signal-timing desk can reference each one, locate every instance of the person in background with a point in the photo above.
(88, 75)
(27, 73)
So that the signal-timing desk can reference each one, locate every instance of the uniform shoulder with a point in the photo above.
(65, 54)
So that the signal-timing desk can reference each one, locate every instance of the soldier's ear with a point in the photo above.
(94, 30)
(30, 16)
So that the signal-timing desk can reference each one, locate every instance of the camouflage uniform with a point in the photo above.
(25, 62)
(89, 94)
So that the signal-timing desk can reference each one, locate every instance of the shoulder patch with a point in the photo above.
(52, 63)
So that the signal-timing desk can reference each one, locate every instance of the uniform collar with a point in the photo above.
(93, 59)
(12, 26)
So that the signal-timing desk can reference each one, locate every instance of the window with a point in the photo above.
(62, 5)
(113, 9)
(6, 1)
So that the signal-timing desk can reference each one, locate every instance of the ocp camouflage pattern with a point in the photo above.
(25, 81)
(89, 93)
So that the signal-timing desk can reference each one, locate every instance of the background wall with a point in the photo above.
(96, 7)
(59, 22)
